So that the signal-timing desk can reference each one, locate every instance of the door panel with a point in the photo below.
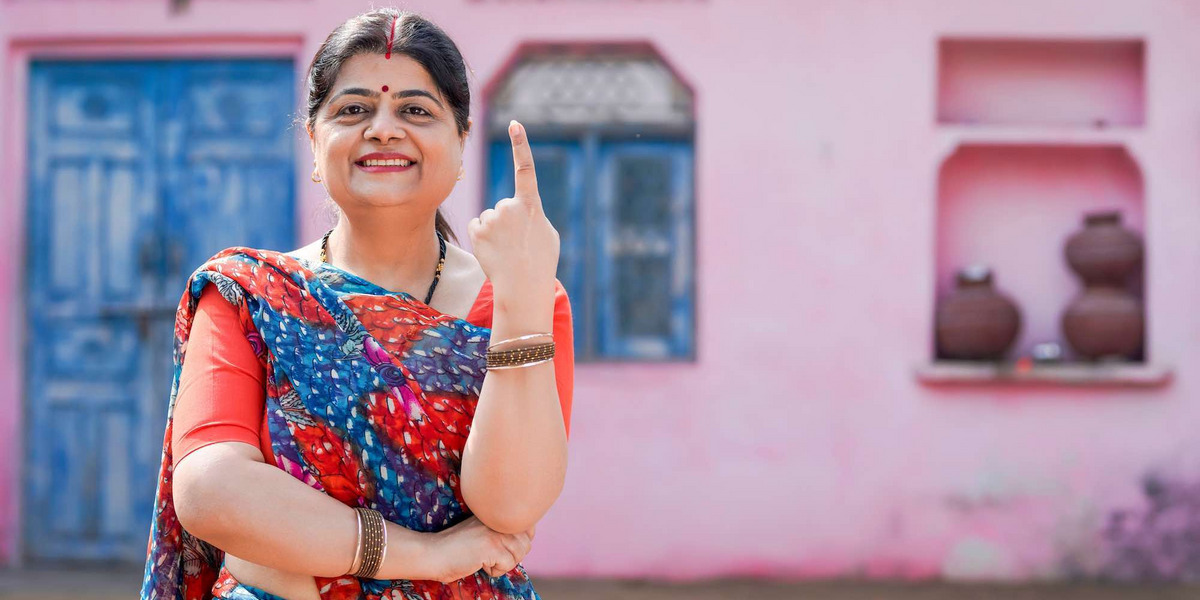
(115, 227)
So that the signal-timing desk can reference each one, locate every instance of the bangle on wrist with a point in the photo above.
(373, 541)
(356, 561)
(520, 357)
(520, 339)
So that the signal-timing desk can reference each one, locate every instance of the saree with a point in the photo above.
(369, 398)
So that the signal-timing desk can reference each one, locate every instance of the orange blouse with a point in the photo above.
(222, 393)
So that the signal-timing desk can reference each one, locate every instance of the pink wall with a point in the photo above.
(799, 443)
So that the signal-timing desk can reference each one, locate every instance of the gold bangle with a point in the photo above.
(383, 555)
(357, 560)
(519, 360)
(521, 339)
(520, 365)
(520, 356)
(500, 355)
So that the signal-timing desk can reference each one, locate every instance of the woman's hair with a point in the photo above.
(413, 36)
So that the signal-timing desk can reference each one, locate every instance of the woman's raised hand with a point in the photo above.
(514, 242)
(469, 546)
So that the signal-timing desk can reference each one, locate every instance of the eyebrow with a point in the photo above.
(397, 95)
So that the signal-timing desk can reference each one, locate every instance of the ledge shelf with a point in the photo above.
(955, 135)
(1070, 374)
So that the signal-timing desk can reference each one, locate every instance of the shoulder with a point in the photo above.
(239, 269)
(235, 254)
(463, 269)
(242, 257)
(311, 252)
(468, 286)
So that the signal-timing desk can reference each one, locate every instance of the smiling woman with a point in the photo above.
(330, 434)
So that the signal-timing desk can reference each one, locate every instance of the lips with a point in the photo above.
(379, 162)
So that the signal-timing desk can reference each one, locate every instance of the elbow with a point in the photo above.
(509, 520)
(510, 513)
(197, 500)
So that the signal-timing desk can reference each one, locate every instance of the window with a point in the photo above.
(612, 136)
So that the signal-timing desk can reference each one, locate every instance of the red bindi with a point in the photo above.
(391, 37)
(385, 88)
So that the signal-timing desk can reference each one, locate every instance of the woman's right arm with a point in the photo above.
(227, 496)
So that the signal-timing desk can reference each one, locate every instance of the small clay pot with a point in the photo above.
(976, 322)
(1105, 322)
(1104, 252)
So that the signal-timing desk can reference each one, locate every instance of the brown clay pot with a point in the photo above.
(1104, 322)
(976, 322)
(1104, 252)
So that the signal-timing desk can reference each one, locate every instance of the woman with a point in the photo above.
(330, 434)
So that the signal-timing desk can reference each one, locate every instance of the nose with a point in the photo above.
(385, 127)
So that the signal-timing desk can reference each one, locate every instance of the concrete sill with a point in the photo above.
(1067, 374)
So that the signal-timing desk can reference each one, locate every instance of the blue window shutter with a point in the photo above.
(644, 222)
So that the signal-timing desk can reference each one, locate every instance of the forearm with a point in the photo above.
(515, 458)
(226, 495)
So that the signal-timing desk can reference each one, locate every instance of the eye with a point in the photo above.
(421, 112)
(349, 110)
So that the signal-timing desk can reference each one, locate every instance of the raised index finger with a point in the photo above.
(525, 177)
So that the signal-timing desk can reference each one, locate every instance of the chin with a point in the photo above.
(383, 195)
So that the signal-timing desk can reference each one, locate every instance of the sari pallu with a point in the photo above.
(369, 398)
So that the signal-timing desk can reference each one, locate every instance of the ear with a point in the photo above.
(466, 133)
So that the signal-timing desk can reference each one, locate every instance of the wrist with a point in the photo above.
(409, 554)
(524, 290)
(528, 311)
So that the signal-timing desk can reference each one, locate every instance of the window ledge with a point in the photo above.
(1071, 374)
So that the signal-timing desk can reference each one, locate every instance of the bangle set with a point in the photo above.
(370, 544)
(525, 356)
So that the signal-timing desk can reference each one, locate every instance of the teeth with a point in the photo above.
(386, 163)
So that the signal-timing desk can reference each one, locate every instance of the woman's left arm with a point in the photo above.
(516, 454)
(515, 457)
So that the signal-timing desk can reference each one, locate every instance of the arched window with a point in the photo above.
(612, 133)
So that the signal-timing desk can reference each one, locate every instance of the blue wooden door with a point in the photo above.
(138, 171)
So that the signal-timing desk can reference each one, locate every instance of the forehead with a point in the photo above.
(373, 71)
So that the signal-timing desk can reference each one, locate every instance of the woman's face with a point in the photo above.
(361, 132)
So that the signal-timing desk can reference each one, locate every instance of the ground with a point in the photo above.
(123, 584)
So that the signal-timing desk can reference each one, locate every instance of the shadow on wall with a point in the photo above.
(1159, 541)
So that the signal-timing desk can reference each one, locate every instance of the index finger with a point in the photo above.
(525, 178)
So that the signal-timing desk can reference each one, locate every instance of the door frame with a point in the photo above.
(14, 217)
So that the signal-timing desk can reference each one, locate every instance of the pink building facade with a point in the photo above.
(849, 156)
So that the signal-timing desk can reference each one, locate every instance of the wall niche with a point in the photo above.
(1037, 135)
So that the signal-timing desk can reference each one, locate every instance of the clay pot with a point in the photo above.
(976, 322)
(1104, 322)
(1104, 252)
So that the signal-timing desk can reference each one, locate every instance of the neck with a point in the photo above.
(399, 256)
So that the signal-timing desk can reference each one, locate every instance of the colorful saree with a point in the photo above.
(369, 398)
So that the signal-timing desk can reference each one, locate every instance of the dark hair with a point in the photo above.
(415, 37)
